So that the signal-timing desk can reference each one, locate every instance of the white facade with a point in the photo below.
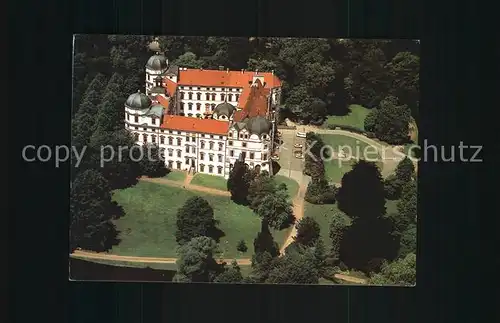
(206, 153)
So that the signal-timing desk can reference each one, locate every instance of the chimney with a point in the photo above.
(221, 68)
(242, 70)
(256, 71)
(227, 70)
(272, 72)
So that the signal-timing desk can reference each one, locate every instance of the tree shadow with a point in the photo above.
(216, 233)
(116, 210)
(275, 167)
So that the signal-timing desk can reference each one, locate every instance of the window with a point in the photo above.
(230, 143)
(264, 157)
(162, 131)
(179, 153)
(145, 138)
(231, 153)
(136, 136)
(190, 95)
(190, 106)
(230, 97)
(202, 168)
(187, 149)
(236, 97)
(170, 164)
(230, 166)
(179, 141)
(221, 146)
(193, 139)
(190, 114)
(213, 106)
(252, 156)
(182, 105)
(187, 161)
(182, 95)
(145, 129)
(212, 136)
(219, 158)
(170, 152)
(222, 96)
(213, 96)
(153, 138)
(153, 120)
(198, 96)
(219, 170)
(265, 146)
(179, 165)
(136, 128)
(193, 150)
(211, 145)
(230, 135)
(170, 140)
(241, 136)
(207, 107)
(136, 119)
(246, 136)
(162, 139)
(243, 154)
(244, 144)
(210, 169)
(202, 156)
(202, 144)
(207, 96)
(198, 106)
(211, 157)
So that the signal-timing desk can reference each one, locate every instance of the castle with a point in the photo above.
(205, 120)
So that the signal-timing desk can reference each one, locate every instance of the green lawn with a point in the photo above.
(212, 181)
(119, 263)
(176, 175)
(350, 146)
(291, 184)
(356, 118)
(148, 226)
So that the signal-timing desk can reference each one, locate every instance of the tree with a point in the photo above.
(92, 212)
(194, 219)
(93, 95)
(392, 187)
(296, 269)
(241, 246)
(308, 231)
(261, 186)
(338, 225)
(239, 182)
(110, 110)
(262, 264)
(115, 154)
(361, 194)
(230, 274)
(404, 70)
(320, 257)
(371, 120)
(400, 272)
(82, 127)
(189, 60)
(405, 170)
(408, 242)
(152, 163)
(407, 205)
(320, 192)
(371, 235)
(197, 262)
(393, 121)
(276, 210)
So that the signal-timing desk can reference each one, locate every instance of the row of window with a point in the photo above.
(210, 89)
(208, 107)
(245, 136)
(243, 144)
(202, 166)
(211, 144)
(210, 96)
(136, 119)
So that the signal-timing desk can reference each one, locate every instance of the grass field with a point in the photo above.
(148, 226)
(212, 181)
(356, 118)
(335, 170)
(176, 175)
(291, 184)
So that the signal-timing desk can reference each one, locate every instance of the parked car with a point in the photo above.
(297, 146)
(275, 157)
(299, 155)
(301, 134)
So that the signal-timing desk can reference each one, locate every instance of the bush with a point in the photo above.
(392, 187)
(242, 246)
(320, 192)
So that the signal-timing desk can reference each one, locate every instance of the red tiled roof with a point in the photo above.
(190, 124)
(170, 86)
(256, 103)
(224, 78)
(163, 101)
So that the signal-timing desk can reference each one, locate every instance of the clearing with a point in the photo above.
(149, 224)
(291, 184)
(355, 118)
(176, 175)
(211, 181)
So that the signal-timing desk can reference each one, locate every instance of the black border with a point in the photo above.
(40, 77)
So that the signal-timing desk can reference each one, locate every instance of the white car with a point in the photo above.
(275, 157)
(301, 134)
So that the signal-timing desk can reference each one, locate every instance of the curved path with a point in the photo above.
(186, 184)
